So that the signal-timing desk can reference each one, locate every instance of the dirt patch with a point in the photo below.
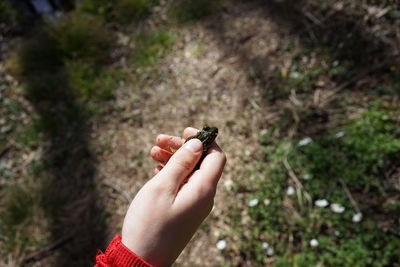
(205, 82)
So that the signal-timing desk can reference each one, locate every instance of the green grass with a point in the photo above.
(20, 222)
(358, 157)
(65, 57)
(10, 109)
(125, 12)
(131, 11)
(189, 11)
(7, 13)
(151, 47)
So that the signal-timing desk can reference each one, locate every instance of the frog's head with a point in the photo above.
(211, 131)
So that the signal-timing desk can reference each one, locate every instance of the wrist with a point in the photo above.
(117, 254)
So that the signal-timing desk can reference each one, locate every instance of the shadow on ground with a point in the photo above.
(69, 198)
(342, 37)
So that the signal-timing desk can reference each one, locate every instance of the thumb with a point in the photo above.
(182, 163)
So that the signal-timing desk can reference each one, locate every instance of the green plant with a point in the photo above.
(19, 220)
(300, 79)
(65, 57)
(101, 8)
(122, 11)
(186, 11)
(151, 47)
(131, 11)
(7, 13)
(82, 37)
(351, 158)
(32, 135)
(88, 82)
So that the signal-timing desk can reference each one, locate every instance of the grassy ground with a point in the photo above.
(305, 94)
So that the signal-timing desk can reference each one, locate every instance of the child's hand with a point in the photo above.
(167, 211)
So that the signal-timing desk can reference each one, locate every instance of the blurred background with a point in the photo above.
(305, 94)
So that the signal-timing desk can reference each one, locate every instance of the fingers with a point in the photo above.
(189, 131)
(166, 145)
(173, 143)
(160, 155)
(182, 163)
(169, 143)
(202, 185)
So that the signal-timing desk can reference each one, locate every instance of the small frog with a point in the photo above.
(206, 136)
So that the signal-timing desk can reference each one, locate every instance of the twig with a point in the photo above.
(44, 252)
(347, 191)
(291, 173)
(311, 17)
(296, 180)
(125, 194)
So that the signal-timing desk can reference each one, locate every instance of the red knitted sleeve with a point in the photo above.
(118, 255)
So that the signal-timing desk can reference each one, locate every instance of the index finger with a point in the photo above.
(189, 131)
(169, 143)
(173, 143)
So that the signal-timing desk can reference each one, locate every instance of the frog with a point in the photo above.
(207, 136)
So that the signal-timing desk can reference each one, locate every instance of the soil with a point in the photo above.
(207, 87)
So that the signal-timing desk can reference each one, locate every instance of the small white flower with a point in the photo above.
(253, 202)
(322, 203)
(337, 208)
(305, 141)
(228, 184)
(337, 233)
(270, 251)
(221, 244)
(294, 75)
(267, 202)
(306, 176)
(314, 242)
(290, 191)
(339, 134)
(357, 217)
(265, 245)
(264, 132)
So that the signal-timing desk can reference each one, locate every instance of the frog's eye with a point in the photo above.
(206, 128)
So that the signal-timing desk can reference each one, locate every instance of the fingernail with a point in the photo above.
(194, 145)
(159, 137)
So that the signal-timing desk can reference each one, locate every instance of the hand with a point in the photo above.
(170, 207)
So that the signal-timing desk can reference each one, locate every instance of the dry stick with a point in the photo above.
(44, 252)
(125, 194)
(291, 173)
(295, 179)
(311, 17)
(347, 191)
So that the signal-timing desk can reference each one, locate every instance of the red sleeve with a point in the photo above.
(118, 255)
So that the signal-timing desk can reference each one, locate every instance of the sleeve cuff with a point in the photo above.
(118, 255)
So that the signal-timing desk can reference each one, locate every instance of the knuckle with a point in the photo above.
(185, 164)
(157, 187)
(206, 192)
